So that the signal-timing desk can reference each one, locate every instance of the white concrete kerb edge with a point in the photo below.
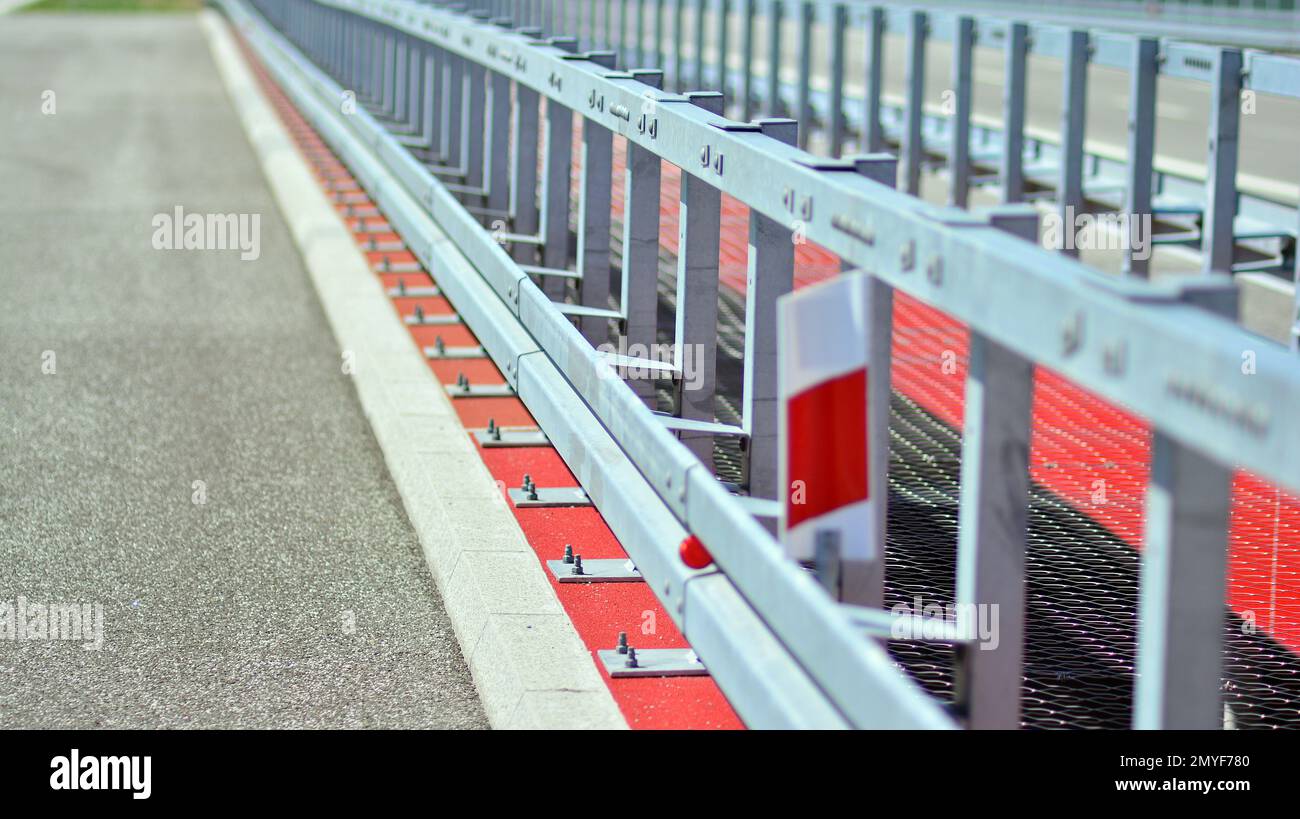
(528, 663)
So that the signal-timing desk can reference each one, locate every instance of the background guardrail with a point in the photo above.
(463, 109)
(1251, 226)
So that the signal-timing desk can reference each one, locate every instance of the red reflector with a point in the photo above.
(694, 554)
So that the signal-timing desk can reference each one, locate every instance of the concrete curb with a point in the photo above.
(531, 668)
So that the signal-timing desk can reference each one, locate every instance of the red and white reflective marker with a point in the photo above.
(822, 373)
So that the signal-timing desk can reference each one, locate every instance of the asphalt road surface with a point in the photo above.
(180, 446)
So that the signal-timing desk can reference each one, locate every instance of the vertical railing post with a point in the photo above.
(679, 20)
(873, 132)
(696, 331)
(1217, 236)
(639, 30)
(1181, 610)
(1182, 589)
(1295, 310)
(804, 111)
(993, 514)
(556, 174)
(839, 27)
(747, 59)
(1141, 142)
(913, 145)
(770, 275)
(1013, 114)
(400, 72)
(699, 17)
(387, 69)
(775, 107)
(595, 183)
(659, 35)
(523, 182)
(862, 581)
(640, 297)
(1074, 123)
(962, 78)
(453, 110)
(724, 45)
(497, 127)
(472, 125)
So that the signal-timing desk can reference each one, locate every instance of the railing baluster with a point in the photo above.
(453, 110)
(640, 296)
(1141, 141)
(498, 139)
(724, 45)
(389, 69)
(523, 183)
(1180, 615)
(696, 336)
(863, 581)
(913, 147)
(659, 35)
(770, 275)
(699, 16)
(993, 513)
(839, 26)
(747, 59)
(400, 75)
(1217, 236)
(595, 183)
(873, 132)
(1295, 310)
(679, 17)
(962, 78)
(807, 14)
(1013, 114)
(472, 124)
(775, 106)
(1074, 123)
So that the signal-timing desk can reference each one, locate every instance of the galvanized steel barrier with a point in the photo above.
(807, 37)
(460, 103)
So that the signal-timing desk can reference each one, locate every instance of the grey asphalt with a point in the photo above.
(296, 595)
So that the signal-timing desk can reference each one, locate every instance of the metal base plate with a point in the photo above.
(481, 391)
(425, 292)
(439, 319)
(551, 496)
(600, 570)
(653, 662)
(511, 438)
(476, 351)
(398, 267)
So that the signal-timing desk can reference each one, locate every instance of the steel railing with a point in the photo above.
(1238, 224)
(461, 110)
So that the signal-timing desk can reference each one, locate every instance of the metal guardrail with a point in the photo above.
(1229, 223)
(457, 97)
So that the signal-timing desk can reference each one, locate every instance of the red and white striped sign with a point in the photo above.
(822, 378)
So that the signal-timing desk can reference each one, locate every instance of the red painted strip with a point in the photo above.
(832, 468)
(598, 612)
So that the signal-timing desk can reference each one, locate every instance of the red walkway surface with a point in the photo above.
(1087, 451)
(598, 611)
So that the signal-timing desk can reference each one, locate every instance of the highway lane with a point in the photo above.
(180, 444)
